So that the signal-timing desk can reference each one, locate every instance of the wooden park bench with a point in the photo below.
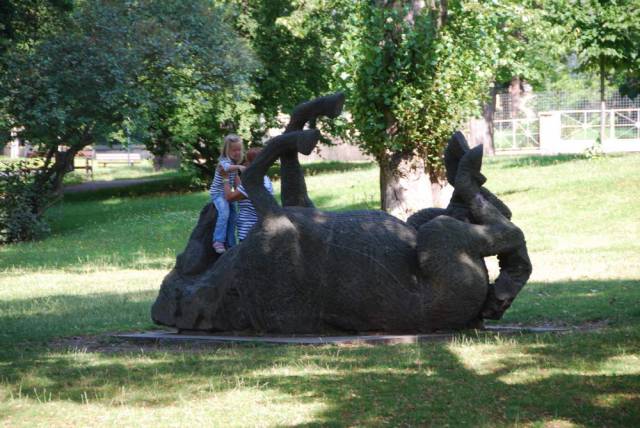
(117, 157)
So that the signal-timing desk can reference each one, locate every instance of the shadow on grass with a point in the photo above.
(43, 318)
(40, 319)
(412, 385)
(137, 173)
(561, 378)
(512, 192)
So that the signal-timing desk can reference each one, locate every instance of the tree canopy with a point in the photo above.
(413, 74)
(119, 65)
(603, 33)
(294, 41)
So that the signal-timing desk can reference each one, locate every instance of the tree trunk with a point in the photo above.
(602, 101)
(515, 91)
(63, 164)
(50, 176)
(406, 187)
(158, 162)
(481, 129)
(160, 148)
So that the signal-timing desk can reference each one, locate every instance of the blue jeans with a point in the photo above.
(225, 230)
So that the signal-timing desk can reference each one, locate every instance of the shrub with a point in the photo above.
(22, 201)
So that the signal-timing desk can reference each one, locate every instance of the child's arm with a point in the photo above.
(235, 168)
(231, 195)
(230, 167)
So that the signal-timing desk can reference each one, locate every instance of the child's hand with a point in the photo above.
(222, 172)
(241, 168)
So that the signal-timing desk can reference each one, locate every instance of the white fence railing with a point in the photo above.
(516, 134)
(569, 131)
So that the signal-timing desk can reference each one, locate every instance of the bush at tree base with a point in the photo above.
(22, 200)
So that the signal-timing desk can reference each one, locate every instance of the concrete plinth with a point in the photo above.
(385, 339)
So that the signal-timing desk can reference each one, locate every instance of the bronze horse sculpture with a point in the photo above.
(306, 271)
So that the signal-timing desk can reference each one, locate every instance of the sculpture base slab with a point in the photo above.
(386, 339)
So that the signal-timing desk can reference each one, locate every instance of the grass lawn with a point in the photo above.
(101, 269)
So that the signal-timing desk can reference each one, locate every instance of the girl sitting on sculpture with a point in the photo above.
(229, 163)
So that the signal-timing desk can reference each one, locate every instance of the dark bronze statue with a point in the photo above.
(306, 271)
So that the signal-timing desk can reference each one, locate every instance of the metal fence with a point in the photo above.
(516, 134)
(576, 118)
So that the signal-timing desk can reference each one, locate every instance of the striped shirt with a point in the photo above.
(217, 185)
(247, 216)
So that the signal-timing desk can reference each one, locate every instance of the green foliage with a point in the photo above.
(21, 202)
(294, 42)
(196, 79)
(528, 44)
(199, 124)
(23, 22)
(74, 87)
(603, 29)
(630, 85)
(411, 82)
(155, 70)
(605, 34)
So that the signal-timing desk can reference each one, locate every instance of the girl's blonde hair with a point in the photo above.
(228, 141)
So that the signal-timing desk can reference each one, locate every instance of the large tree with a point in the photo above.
(119, 64)
(22, 24)
(72, 88)
(413, 71)
(196, 79)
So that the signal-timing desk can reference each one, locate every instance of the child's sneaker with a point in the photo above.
(218, 247)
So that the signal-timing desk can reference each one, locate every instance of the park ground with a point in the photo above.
(101, 268)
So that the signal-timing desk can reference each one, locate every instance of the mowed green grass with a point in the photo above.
(101, 269)
(116, 171)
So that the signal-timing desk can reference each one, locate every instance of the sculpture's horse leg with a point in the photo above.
(495, 234)
(294, 188)
(446, 238)
(292, 142)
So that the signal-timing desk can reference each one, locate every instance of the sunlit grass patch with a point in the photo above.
(235, 408)
(492, 356)
(515, 363)
(614, 400)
